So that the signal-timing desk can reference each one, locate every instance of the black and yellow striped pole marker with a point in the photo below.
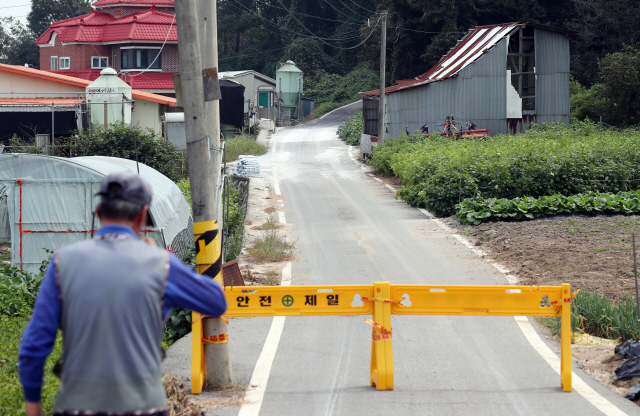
(208, 263)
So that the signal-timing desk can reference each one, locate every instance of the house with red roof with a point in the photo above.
(137, 38)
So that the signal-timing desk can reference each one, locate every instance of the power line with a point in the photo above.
(310, 15)
(159, 52)
(292, 31)
(333, 46)
(364, 8)
(334, 7)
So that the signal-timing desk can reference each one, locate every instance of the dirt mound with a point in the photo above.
(177, 399)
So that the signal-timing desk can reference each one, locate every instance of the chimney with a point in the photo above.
(118, 14)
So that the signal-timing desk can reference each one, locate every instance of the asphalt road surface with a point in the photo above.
(350, 229)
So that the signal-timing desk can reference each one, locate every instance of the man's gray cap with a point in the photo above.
(134, 188)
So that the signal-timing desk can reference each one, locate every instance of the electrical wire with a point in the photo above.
(310, 15)
(332, 6)
(159, 52)
(364, 8)
(292, 31)
(333, 46)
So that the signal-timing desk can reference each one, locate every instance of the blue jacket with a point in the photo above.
(185, 288)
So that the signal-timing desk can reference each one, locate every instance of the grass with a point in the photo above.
(243, 145)
(270, 210)
(596, 315)
(272, 278)
(11, 401)
(270, 247)
(325, 108)
(270, 224)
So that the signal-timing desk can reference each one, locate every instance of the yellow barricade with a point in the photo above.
(382, 299)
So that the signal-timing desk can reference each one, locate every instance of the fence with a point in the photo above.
(381, 300)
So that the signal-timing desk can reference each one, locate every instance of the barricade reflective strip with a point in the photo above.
(216, 339)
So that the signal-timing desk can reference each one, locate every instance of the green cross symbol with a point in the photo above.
(287, 300)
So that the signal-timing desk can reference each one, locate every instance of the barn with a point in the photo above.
(499, 77)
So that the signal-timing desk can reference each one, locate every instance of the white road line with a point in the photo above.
(582, 388)
(377, 179)
(390, 187)
(254, 396)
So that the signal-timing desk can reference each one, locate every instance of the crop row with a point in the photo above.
(475, 211)
(439, 172)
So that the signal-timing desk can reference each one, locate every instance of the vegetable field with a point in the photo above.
(439, 172)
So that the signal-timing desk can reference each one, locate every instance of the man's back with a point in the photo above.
(111, 292)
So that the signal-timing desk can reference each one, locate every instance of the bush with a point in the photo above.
(439, 172)
(326, 87)
(351, 129)
(18, 291)
(589, 103)
(620, 73)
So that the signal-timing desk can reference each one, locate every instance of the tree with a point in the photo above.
(43, 12)
(620, 72)
(17, 44)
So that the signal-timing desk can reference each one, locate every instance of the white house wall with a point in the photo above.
(19, 83)
(147, 115)
(477, 94)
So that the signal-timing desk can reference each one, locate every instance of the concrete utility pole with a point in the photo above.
(217, 356)
(200, 158)
(383, 65)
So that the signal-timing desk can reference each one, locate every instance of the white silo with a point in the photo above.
(109, 100)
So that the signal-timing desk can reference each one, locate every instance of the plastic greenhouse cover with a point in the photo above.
(51, 199)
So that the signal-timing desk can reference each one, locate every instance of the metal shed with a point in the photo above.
(500, 77)
(50, 200)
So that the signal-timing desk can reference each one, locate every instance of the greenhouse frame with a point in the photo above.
(47, 202)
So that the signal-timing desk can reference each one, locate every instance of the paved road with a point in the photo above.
(351, 230)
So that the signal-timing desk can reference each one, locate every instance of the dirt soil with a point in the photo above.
(599, 361)
(593, 253)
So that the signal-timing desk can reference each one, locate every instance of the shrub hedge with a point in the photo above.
(350, 130)
(439, 172)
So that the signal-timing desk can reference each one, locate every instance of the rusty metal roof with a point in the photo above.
(471, 47)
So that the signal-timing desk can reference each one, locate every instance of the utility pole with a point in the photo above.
(383, 62)
(200, 157)
(217, 356)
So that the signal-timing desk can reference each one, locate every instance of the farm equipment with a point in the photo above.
(452, 127)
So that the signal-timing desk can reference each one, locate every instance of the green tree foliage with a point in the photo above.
(325, 87)
(620, 72)
(17, 44)
(589, 103)
(118, 141)
(43, 12)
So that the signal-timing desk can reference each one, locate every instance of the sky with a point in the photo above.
(16, 8)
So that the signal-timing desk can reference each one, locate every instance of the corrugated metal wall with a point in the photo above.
(477, 94)
(552, 83)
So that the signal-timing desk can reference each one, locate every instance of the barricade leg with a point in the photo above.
(565, 339)
(198, 365)
(381, 351)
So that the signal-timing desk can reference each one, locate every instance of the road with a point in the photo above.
(350, 229)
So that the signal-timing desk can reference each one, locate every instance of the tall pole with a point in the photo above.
(200, 158)
(217, 356)
(383, 62)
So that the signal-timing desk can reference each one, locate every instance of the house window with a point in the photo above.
(54, 63)
(139, 58)
(99, 62)
(65, 62)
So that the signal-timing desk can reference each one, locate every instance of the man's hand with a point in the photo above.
(149, 241)
(33, 409)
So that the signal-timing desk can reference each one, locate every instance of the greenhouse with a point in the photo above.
(47, 202)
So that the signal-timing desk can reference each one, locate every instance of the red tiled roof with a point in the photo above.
(102, 3)
(70, 80)
(471, 47)
(139, 81)
(101, 27)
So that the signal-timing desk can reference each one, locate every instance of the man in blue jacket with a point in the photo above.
(110, 296)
